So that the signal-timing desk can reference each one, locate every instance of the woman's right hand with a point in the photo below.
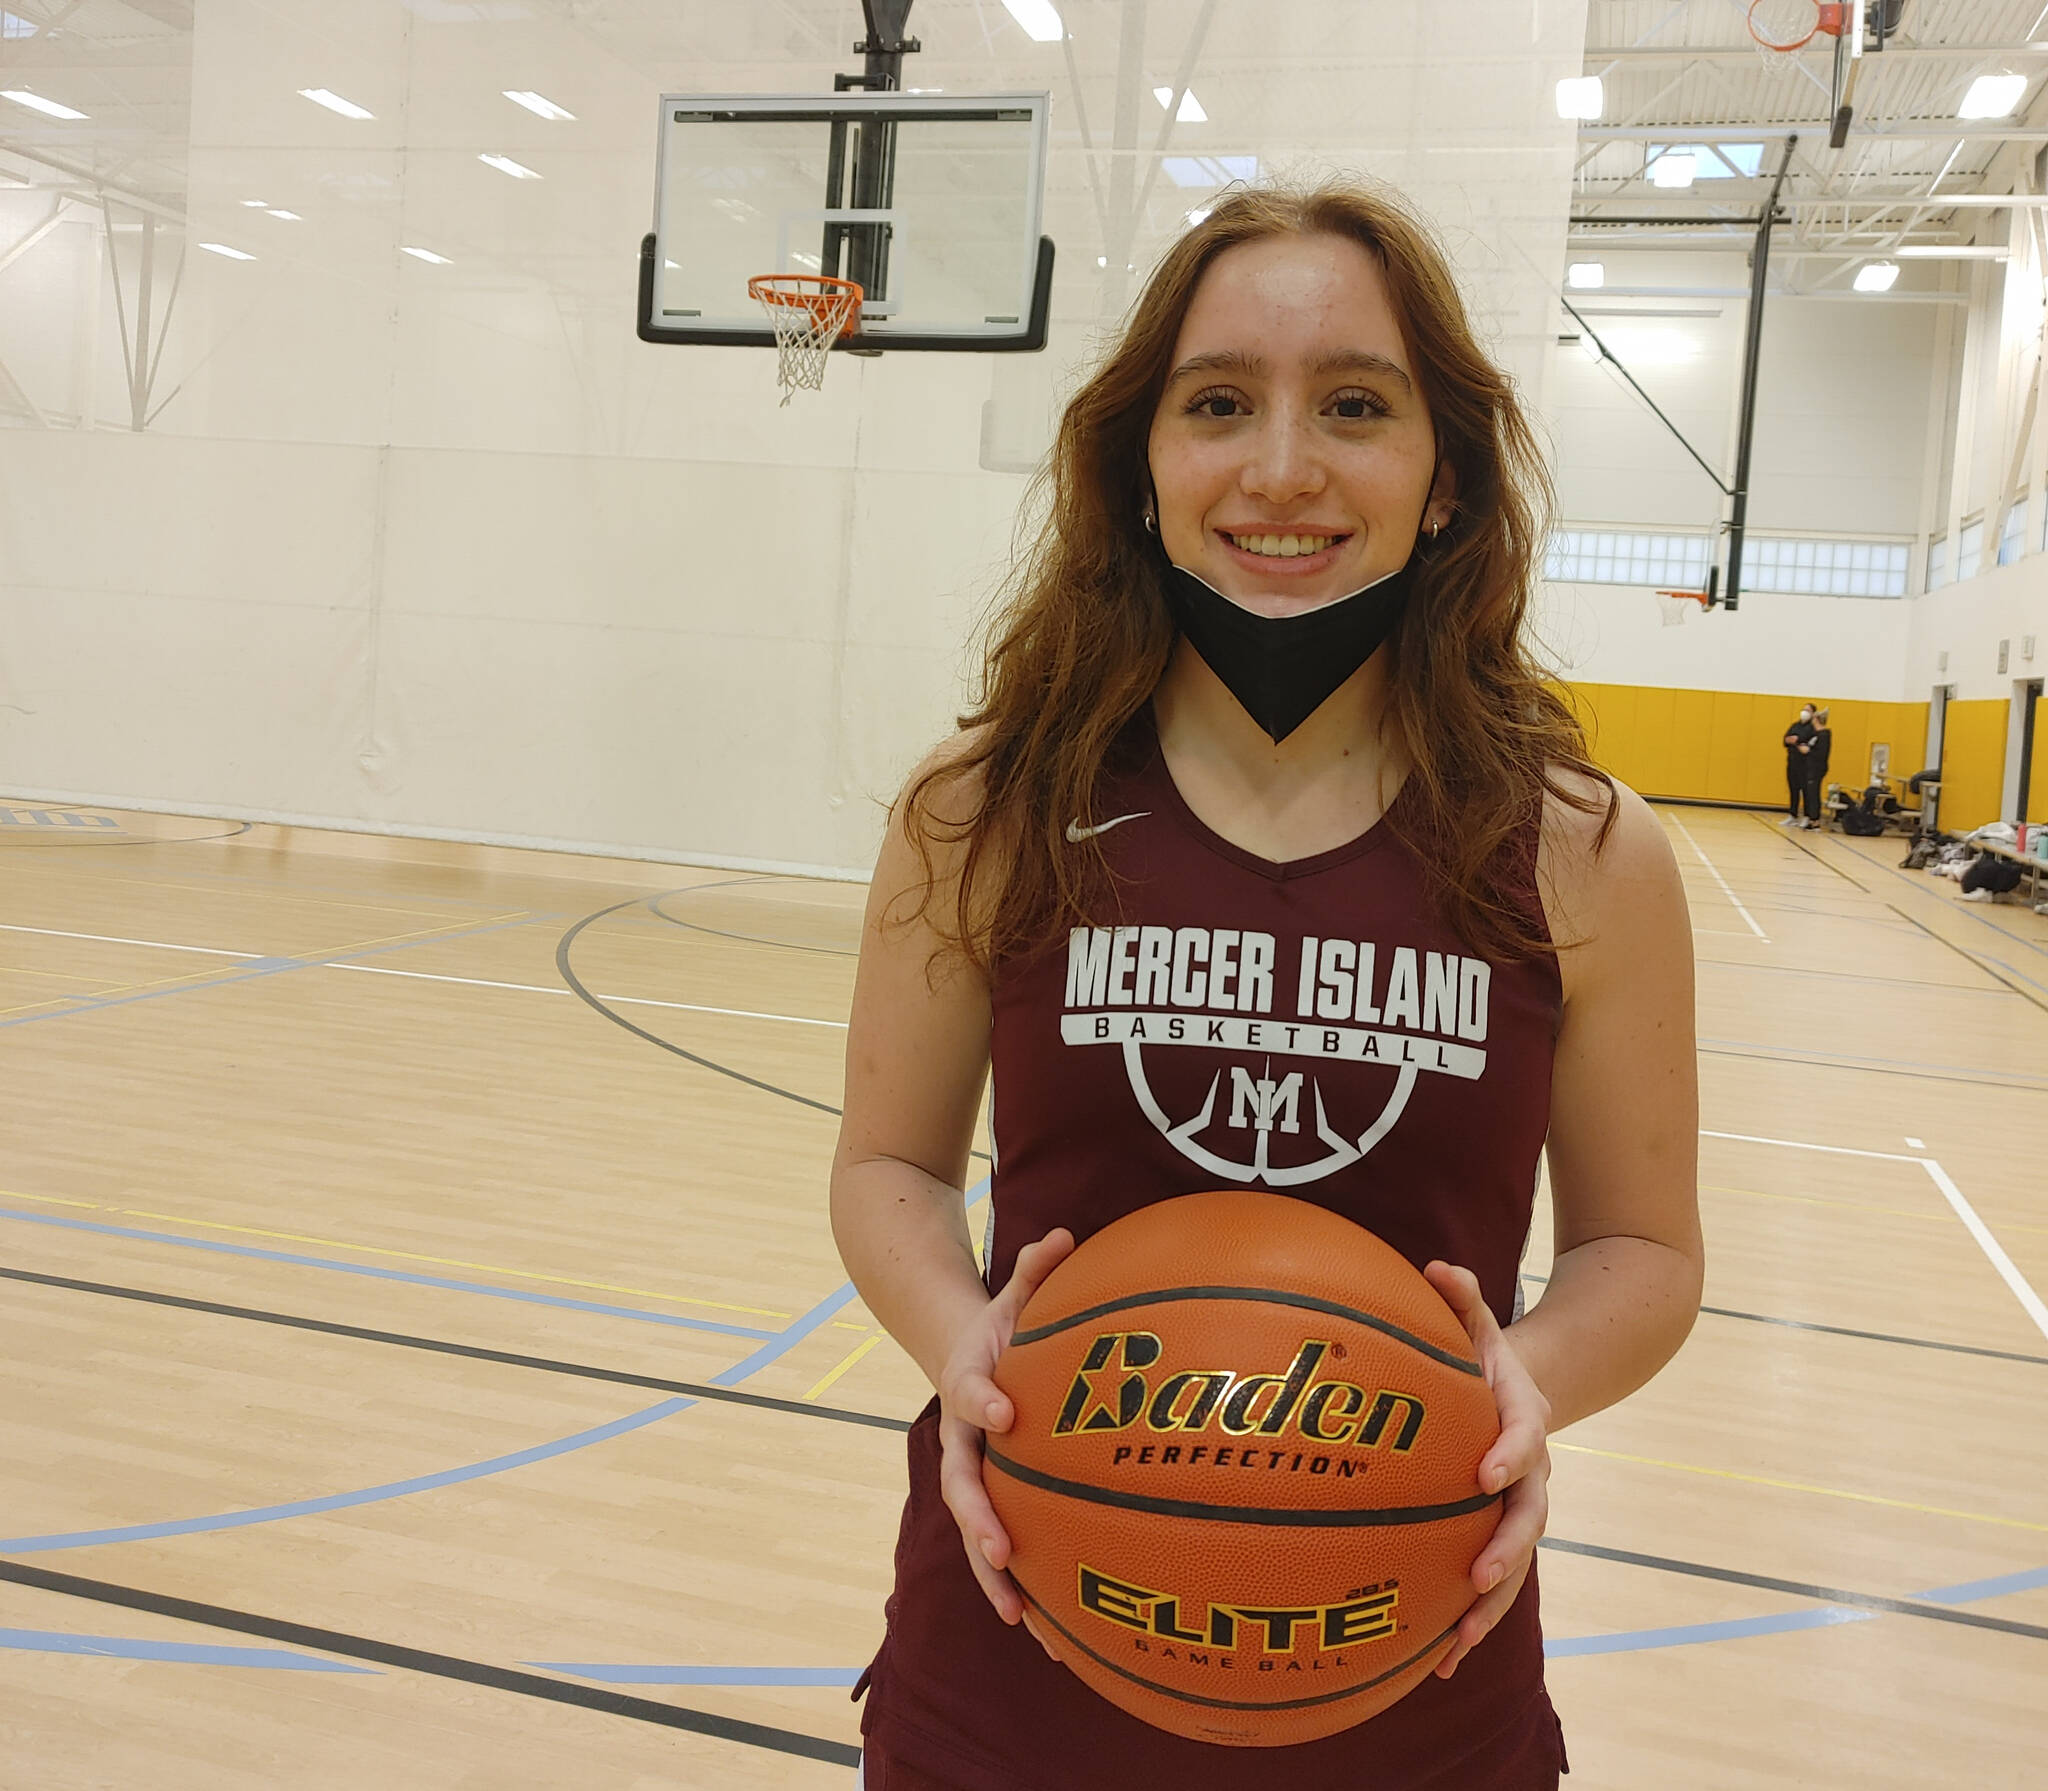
(970, 1405)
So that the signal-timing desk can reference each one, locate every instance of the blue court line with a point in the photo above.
(369, 1495)
(50, 1641)
(779, 1344)
(1634, 1641)
(261, 967)
(523, 1295)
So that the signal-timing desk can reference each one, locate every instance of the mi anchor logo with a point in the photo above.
(1263, 1103)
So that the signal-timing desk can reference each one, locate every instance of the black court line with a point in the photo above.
(1985, 966)
(438, 1666)
(1851, 976)
(1762, 1582)
(626, 1706)
(576, 986)
(1801, 1324)
(697, 926)
(1814, 1061)
(442, 1347)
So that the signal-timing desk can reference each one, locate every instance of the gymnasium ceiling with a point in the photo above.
(1676, 72)
(1689, 74)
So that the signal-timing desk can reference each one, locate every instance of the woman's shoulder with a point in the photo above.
(1603, 851)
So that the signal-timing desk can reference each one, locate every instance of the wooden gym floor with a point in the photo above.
(430, 1365)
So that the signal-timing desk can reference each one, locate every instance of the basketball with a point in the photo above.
(1241, 1484)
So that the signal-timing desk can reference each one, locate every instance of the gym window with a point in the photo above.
(1769, 563)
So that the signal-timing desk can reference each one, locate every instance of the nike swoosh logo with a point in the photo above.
(1076, 833)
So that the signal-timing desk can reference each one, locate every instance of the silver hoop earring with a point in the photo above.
(1435, 529)
(1151, 523)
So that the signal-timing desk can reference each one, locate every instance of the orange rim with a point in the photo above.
(827, 299)
(1782, 49)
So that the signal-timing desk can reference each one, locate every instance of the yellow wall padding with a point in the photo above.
(1973, 763)
(1728, 746)
(2037, 778)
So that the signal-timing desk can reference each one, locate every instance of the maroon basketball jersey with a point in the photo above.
(1310, 1029)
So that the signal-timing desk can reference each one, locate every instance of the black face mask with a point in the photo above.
(1282, 669)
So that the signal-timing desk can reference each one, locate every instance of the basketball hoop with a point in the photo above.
(809, 311)
(1784, 27)
(1674, 606)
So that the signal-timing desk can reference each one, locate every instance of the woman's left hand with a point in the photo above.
(1518, 1462)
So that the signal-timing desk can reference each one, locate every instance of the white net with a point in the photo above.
(1781, 28)
(1673, 608)
(808, 312)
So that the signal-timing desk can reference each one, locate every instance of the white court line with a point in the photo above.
(210, 951)
(1718, 878)
(1991, 1247)
(1833, 1150)
(688, 1007)
(1994, 1252)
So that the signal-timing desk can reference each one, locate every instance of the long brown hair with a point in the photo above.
(1084, 636)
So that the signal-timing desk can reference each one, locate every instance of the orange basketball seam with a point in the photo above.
(1259, 1295)
(1278, 1517)
(1255, 1709)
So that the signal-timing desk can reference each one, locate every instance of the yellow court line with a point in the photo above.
(230, 889)
(449, 1262)
(51, 976)
(446, 1262)
(840, 1324)
(453, 926)
(1826, 1492)
(92, 1206)
(197, 978)
(1939, 1216)
(859, 1350)
(221, 978)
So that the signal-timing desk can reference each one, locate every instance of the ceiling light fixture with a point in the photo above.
(540, 106)
(1674, 168)
(257, 204)
(437, 260)
(36, 103)
(1586, 276)
(1190, 108)
(1582, 97)
(1993, 96)
(231, 254)
(334, 102)
(290, 217)
(1198, 217)
(1040, 19)
(1877, 276)
(506, 165)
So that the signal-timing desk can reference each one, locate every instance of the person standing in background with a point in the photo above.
(1798, 744)
(1817, 751)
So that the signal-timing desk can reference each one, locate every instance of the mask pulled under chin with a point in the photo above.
(1282, 669)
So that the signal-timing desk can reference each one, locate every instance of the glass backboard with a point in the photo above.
(930, 201)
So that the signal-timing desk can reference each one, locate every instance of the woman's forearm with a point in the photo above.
(1616, 1310)
(902, 1234)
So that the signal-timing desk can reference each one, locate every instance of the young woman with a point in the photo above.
(1260, 737)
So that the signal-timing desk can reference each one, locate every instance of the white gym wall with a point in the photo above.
(446, 549)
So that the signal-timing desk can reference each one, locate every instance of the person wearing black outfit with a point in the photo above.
(1798, 750)
(1817, 751)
